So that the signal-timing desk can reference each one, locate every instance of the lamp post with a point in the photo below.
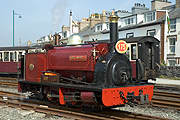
(13, 23)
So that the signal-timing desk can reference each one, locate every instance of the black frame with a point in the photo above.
(129, 34)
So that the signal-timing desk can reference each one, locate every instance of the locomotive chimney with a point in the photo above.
(57, 37)
(113, 20)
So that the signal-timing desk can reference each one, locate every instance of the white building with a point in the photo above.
(151, 23)
(172, 42)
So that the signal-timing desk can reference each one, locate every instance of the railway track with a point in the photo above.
(166, 99)
(8, 78)
(71, 113)
(8, 81)
(160, 99)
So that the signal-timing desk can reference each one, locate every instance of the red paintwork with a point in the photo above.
(88, 97)
(61, 97)
(19, 88)
(133, 65)
(39, 62)
(75, 61)
(9, 67)
(59, 57)
(111, 96)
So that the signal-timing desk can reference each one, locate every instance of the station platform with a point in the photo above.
(166, 81)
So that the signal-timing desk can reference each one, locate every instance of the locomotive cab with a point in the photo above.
(144, 55)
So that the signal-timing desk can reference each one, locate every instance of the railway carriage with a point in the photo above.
(10, 60)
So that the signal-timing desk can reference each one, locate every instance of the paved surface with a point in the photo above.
(166, 81)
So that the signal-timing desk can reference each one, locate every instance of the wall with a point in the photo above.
(159, 4)
(170, 71)
(142, 31)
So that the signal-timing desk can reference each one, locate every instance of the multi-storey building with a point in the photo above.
(150, 22)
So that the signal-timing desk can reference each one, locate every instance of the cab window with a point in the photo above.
(133, 52)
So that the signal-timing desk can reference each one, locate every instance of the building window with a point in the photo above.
(107, 26)
(151, 32)
(128, 35)
(149, 16)
(99, 27)
(65, 34)
(129, 21)
(172, 45)
(172, 62)
(173, 25)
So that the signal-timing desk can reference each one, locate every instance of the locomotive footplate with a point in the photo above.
(127, 95)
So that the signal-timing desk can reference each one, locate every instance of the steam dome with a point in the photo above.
(75, 39)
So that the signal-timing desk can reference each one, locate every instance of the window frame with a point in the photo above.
(152, 30)
(174, 60)
(151, 15)
(129, 21)
(128, 35)
(130, 51)
(169, 46)
(172, 24)
(8, 58)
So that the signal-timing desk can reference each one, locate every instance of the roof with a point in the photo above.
(141, 39)
(175, 13)
(137, 26)
(19, 48)
(13, 48)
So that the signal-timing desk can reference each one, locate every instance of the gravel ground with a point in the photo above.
(154, 111)
(8, 113)
(13, 90)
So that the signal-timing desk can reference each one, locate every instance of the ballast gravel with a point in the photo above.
(7, 113)
(153, 111)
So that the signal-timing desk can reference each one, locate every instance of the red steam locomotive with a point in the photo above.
(81, 74)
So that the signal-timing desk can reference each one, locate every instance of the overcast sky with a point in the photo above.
(41, 17)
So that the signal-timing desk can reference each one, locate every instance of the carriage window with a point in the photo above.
(133, 52)
(19, 56)
(11, 56)
(1, 57)
(15, 56)
(6, 56)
